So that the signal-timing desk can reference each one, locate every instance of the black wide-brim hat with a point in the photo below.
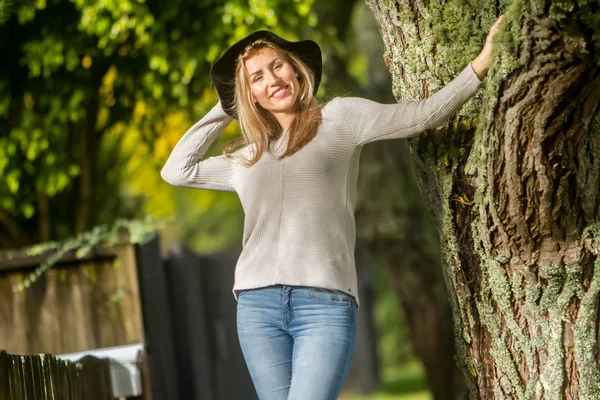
(223, 70)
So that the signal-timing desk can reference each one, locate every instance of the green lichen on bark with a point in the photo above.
(561, 285)
(500, 288)
(496, 283)
(585, 335)
(591, 237)
(431, 41)
(504, 62)
(497, 286)
(584, 329)
(556, 295)
(554, 275)
(459, 31)
(464, 322)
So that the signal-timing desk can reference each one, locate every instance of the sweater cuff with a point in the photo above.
(470, 67)
(218, 109)
(470, 78)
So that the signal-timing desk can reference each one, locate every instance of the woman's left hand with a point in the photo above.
(482, 62)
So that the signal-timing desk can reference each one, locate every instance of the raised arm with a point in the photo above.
(185, 166)
(372, 121)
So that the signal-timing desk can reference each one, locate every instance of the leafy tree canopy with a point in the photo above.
(94, 94)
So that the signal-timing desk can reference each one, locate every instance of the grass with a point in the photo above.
(405, 383)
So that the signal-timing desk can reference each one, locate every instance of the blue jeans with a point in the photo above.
(298, 342)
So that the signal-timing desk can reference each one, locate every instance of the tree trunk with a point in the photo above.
(44, 215)
(89, 141)
(515, 195)
(17, 237)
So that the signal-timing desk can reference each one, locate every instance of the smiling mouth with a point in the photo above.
(280, 92)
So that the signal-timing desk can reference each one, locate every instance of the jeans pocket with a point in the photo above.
(243, 292)
(329, 296)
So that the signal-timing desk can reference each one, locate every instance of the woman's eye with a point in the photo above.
(278, 66)
(257, 78)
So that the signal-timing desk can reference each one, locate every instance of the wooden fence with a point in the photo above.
(180, 307)
(78, 304)
(44, 377)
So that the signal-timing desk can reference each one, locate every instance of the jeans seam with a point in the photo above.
(283, 320)
(341, 382)
(286, 303)
(291, 306)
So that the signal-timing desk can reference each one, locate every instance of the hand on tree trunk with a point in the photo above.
(482, 62)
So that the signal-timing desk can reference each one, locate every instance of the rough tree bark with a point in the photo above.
(513, 181)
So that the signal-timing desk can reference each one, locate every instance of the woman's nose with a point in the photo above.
(273, 79)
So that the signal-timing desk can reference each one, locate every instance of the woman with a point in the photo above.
(295, 171)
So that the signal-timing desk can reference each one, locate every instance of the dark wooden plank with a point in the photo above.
(94, 377)
(158, 324)
(192, 340)
(144, 367)
(4, 377)
(228, 359)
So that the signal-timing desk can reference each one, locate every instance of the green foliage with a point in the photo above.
(79, 71)
(394, 345)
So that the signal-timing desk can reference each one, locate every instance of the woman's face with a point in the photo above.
(273, 81)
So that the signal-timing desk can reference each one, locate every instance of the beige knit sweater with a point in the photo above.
(299, 224)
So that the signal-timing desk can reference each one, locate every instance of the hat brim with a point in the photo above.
(223, 70)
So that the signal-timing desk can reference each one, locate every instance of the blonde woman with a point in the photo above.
(295, 171)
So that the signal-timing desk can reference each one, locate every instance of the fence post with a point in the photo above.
(192, 337)
(231, 374)
(158, 324)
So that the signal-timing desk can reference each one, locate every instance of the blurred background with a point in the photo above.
(94, 94)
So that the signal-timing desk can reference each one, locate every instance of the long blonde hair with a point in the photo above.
(258, 125)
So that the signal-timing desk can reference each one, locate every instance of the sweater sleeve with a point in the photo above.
(185, 166)
(371, 121)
